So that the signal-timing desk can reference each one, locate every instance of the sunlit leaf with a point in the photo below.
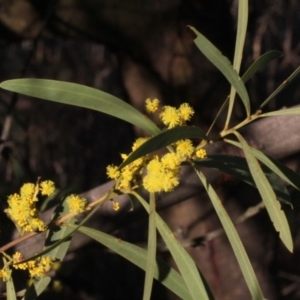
(83, 96)
(163, 140)
(224, 65)
(261, 62)
(238, 54)
(10, 290)
(282, 112)
(281, 87)
(273, 207)
(241, 33)
(184, 262)
(234, 240)
(138, 256)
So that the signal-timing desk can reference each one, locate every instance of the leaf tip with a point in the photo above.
(193, 29)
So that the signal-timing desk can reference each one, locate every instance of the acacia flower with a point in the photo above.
(47, 187)
(17, 258)
(76, 204)
(162, 176)
(124, 156)
(152, 105)
(22, 210)
(5, 274)
(170, 181)
(36, 224)
(112, 172)
(154, 165)
(170, 161)
(27, 191)
(201, 153)
(185, 111)
(116, 205)
(184, 148)
(170, 116)
(39, 267)
(138, 142)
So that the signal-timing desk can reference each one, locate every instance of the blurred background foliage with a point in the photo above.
(134, 50)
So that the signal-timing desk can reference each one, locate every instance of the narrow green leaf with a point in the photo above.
(234, 240)
(224, 65)
(238, 168)
(261, 62)
(281, 87)
(275, 166)
(83, 96)
(36, 288)
(10, 290)
(138, 256)
(184, 262)
(151, 253)
(238, 53)
(282, 112)
(277, 216)
(58, 233)
(241, 34)
(164, 139)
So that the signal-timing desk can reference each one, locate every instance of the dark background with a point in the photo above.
(134, 50)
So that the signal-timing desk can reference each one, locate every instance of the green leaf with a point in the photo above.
(224, 65)
(241, 34)
(237, 167)
(238, 53)
(36, 288)
(151, 253)
(261, 62)
(83, 96)
(273, 207)
(282, 112)
(281, 87)
(58, 233)
(138, 256)
(164, 139)
(275, 166)
(184, 262)
(10, 287)
(10, 290)
(234, 240)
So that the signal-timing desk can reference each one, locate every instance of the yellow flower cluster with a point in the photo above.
(76, 204)
(116, 206)
(169, 115)
(130, 173)
(162, 174)
(152, 105)
(172, 117)
(158, 174)
(5, 274)
(22, 207)
(37, 268)
(201, 153)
